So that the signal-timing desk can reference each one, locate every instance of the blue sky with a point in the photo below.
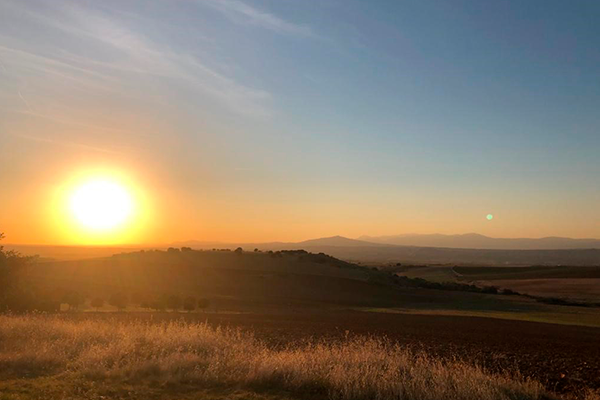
(323, 117)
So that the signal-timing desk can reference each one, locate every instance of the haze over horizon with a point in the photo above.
(258, 121)
(373, 239)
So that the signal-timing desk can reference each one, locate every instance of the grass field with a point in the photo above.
(563, 359)
(574, 283)
(553, 315)
(286, 303)
(51, 357)
(580, 289)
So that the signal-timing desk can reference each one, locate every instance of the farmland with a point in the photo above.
(575, 283)
(91, 355)
(295, 299)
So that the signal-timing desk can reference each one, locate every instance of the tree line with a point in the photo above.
(16, 295)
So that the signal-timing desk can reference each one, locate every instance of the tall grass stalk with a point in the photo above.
(195, 353)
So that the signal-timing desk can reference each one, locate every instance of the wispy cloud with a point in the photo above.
(144, 56)
(56, 68)
(241, 12)
(140, 57)
(66, 143)
(25, 101)
(66, 121)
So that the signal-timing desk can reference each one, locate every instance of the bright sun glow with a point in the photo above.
(101, 205)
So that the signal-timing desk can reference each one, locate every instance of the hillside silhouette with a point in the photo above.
(453, 249)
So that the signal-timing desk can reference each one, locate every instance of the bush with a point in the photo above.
(490, 290)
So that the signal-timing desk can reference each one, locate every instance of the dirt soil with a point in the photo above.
(566, 359)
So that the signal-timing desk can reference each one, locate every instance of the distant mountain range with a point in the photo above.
(439, 249)
(336, 241)
(476, 241)
(466, 241)
(417, 249)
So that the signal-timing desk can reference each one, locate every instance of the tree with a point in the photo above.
(47, 305)
(97, 302)
(14, 295)
(174, 302)
(136, 298)
(73, 299)
(203, 303)
(118, 300)
(239, 250)
(189, 304)
(157, 305)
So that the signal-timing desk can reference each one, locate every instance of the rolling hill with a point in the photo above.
(449, 250)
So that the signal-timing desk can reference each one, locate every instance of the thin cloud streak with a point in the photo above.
(85, 78)
(70, 122)
(241, 12)
(25, 101)
(66, 143)
(139, 55)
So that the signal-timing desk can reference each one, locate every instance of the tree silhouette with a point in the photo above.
(118, 300)
(97, 302)
(73, 299)
(14, 295)
(157, 305)
(189, 304)
(203, 303)
(174, 302)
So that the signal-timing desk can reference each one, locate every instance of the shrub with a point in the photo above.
(490, 290)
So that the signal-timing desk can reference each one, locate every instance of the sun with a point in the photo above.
(101, 204)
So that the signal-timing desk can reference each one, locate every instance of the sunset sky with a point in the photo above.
(229, 120)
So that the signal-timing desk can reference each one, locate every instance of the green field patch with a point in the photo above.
(563, 316)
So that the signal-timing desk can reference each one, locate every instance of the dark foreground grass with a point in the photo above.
(50, 357)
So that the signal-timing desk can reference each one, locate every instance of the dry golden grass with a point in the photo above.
(195, 354)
